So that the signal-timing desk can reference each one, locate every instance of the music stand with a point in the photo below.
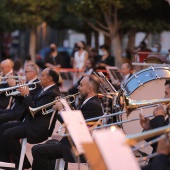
(114, 74)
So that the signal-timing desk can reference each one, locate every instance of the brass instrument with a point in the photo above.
(44, 107)
(133, 139)
(131, 105)
(3, 79)
(14, 93)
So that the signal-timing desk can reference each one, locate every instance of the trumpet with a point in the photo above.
(3, 79)
(43, 108)
(14, 93)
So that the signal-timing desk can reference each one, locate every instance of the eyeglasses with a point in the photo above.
(28, 71)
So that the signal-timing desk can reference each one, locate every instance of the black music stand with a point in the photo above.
(114, 74)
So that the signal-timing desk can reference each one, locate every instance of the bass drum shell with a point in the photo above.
(147, 84)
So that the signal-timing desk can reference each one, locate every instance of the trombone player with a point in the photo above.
(17, 109)
(159, 115)
(91, 107)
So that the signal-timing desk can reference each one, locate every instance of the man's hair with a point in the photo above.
(94, 80)
(54, 75)
(33, 67)
(167, 82)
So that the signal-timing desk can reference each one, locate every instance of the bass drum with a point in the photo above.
(146, 84)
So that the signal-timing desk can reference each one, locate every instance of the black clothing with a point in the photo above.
(35, 129)
(160, 162)
(43, 153)
(61, 59)
(108, 61)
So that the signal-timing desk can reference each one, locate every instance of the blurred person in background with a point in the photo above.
(105, 59)
(80, 56)
(18, 69)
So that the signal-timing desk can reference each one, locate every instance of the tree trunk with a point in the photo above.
(116, 49)
(131, 42)
(96, 36)
(32, 46)
(88, 38)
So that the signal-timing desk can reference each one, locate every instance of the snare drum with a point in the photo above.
(146, 84)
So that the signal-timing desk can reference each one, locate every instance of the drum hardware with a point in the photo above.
(157, 77)
(135, 76)
(43, 108)
(140, 84)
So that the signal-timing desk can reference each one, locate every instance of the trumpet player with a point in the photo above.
(7, 71)
(17, 109)
(35, 129)
(91, 107)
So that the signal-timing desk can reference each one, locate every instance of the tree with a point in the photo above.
(116, 17)
(27, 14)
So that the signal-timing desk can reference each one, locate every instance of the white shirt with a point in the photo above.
(79, 59)
(46, 88)
(86, 100)
(125, 78)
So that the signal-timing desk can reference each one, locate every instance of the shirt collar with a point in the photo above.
(86, 101)
(46, 88)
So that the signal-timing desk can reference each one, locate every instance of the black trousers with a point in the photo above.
(44, 153)
(6, 115)
(10, 147)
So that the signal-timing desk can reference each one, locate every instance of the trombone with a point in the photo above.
(14, 93)
(43, 108)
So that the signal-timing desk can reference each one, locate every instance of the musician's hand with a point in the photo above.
(58, 106)
(159, 111)
(164, 146)
(145, 122)
(23, 90)
(11, 82)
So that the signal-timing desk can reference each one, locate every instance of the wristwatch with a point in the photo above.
(26, 95)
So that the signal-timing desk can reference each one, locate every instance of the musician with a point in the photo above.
(35, 129)
(17, 109)
(162, 160)
(6, 71)
(159, 115)
(91, 107)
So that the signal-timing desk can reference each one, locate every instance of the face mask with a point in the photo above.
(103, 53)
(52, 49)
(154, 49)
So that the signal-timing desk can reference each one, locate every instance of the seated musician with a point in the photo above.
(91, 107)
(17, 109)
(162, 160)
(35, 127)
(159, 115)
(7, 71)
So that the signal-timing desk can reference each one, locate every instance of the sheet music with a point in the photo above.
(65, 104)
(116, 154)
(77, 128)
